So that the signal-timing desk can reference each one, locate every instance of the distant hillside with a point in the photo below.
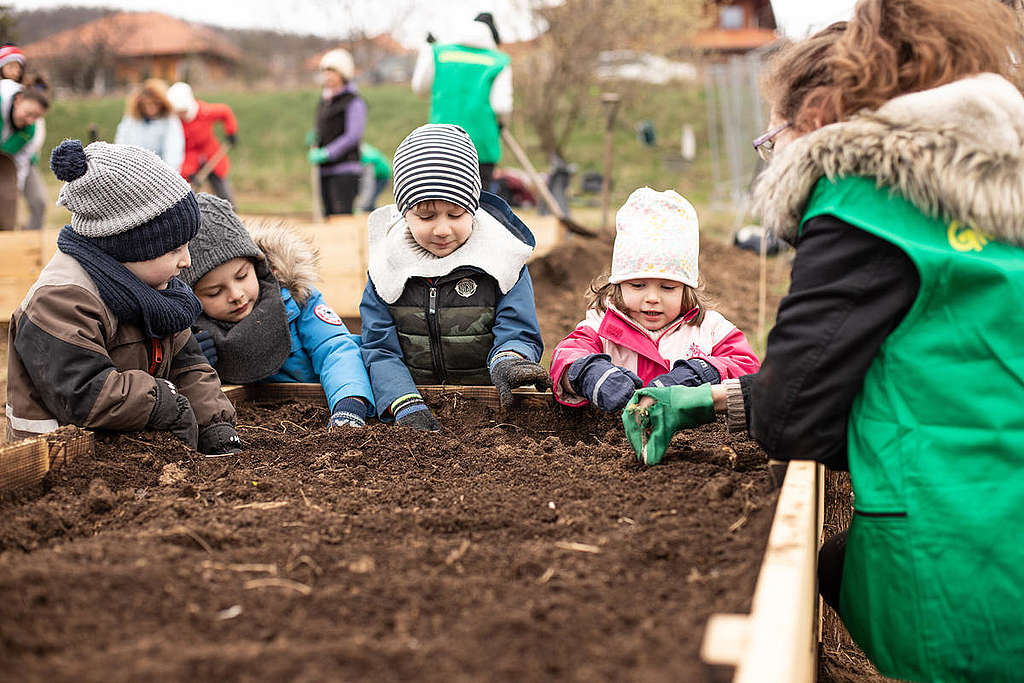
(30, 26)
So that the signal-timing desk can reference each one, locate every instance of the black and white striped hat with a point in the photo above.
(437, 161)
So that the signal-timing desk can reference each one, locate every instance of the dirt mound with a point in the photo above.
(523, 546)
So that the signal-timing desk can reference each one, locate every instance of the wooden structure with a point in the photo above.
(341, 242)
(737, 26)
(131, 46)
(778, 641)
(26, 462)
(314, 393)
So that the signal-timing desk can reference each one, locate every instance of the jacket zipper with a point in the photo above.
(435, 336)
(157, 355)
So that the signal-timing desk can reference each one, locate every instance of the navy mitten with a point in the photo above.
(605, 385)
(688, 373)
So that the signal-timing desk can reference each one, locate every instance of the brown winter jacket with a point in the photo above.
(70, 361)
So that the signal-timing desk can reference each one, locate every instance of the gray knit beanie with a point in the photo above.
(125, 199)
(221, 237)
(437, 161)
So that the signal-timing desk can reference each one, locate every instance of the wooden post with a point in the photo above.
(610, 102)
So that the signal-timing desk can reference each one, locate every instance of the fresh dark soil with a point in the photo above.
(521, 546)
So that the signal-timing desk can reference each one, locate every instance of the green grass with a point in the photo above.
(271, 176)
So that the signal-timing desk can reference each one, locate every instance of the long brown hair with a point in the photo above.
(601, 292)
(156, 90)
(890, 48)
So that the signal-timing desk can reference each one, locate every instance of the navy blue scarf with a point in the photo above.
(160, 312)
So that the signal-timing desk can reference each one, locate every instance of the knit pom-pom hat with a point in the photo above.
(11, 53)
(656, 236)
(125, 199)
(437, 161)
(221, 237)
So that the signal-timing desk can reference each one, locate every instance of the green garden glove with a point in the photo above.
(678, 407)
(317, 155)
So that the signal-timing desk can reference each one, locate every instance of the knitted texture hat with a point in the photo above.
(11, 53)
(437, 161)
(221, 237)
(655, 237)
(125, 199)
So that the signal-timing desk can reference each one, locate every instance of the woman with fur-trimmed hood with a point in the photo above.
(898, 175)
(263, 320)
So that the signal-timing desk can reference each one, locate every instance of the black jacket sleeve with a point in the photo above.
(849, 290)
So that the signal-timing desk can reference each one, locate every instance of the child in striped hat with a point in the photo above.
(449, 298)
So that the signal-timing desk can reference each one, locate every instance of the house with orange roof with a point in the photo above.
(737, 26)
(130, 46)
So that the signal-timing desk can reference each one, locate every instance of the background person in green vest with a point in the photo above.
(897, 174)
(19, 110)
(470, 85)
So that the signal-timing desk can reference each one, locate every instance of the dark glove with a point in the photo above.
(431, 38)
(219, 438)
(607, 386)
(650, 430)
(232, 139)
(689, 373)
(349, 411)
(207, 346)
(509, 371)
(412, 412)
(173, 413)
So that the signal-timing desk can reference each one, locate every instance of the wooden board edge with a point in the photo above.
(27, 462)
(299, 391)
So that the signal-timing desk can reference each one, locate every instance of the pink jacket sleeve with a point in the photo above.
(582, 341)
(733, 357)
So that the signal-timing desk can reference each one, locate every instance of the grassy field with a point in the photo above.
(271, 176)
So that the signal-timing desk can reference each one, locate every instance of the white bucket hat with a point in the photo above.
(339, 61)
(656, 236)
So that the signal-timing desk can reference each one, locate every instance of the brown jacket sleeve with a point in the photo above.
(199, 382)
(62, 345)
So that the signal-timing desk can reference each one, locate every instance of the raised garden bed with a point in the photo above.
(519, 546)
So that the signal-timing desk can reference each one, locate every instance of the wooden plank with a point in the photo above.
(314, 393)
(28, 461)
(779, 642)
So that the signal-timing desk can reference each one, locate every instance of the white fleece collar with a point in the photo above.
(395, 256)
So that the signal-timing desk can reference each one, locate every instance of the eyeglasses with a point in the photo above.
(764, 144)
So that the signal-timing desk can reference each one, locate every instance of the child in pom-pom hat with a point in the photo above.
(103, 338)
(647, 324)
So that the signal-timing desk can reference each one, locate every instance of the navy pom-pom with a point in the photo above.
(68, 161)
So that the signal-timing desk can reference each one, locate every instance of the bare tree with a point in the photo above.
(556, 77)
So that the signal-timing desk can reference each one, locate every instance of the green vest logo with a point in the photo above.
(965, 238)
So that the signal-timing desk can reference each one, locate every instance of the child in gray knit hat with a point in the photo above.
(449, 299)
(263, 320)
(103, 338)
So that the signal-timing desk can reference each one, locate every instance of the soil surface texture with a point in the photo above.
(514, 546)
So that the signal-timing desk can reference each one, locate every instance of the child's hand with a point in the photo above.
(412, 412)
(605, 385)
(173, 413)
(691, 373)
(219, 438)
(511, 371)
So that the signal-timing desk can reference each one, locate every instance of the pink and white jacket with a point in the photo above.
(650, 354)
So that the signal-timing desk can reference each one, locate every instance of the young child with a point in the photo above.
(449, 299)
(102, 340)
(647, 325)
(256, 327)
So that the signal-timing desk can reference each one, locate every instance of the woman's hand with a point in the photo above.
(654, 415)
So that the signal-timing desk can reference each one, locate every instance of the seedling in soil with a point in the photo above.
(643, 418)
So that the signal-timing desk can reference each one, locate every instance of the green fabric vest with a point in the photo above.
(933, 584)
(462, 94)
(444, 327)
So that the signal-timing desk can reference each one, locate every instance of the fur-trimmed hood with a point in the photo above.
(955, 152)
(294, 260)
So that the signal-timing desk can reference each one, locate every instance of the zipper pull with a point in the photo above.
(433, 300)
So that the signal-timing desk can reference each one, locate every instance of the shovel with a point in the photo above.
(200, 177)
(542, 188)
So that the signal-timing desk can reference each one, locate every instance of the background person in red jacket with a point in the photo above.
(201, 144)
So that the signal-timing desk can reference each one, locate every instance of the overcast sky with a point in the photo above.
(409, 20)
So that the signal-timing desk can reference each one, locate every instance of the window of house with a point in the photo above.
(730, 16)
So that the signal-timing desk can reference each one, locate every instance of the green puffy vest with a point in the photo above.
(19, 137)
(444, 327)
(933, 583)
(462, 94)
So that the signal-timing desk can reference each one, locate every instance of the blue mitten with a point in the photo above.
(605, 385)
(207, 346)
(349, 411)
(688, 373)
